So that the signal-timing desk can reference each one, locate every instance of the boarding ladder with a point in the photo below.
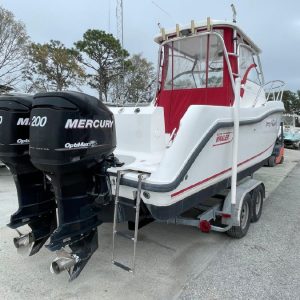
(135, 205)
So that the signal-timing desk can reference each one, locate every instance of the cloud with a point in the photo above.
(263, 21)
(297, 23)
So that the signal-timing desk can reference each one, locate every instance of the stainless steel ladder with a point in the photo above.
(135, 206)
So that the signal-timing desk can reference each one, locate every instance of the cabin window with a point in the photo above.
(246, 59)
(215, 62)
(194, 62)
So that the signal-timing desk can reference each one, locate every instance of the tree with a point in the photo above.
(104, 57)
(13, 48)
(298, 102)
(53, 67)
(291, 101)
(139, 81)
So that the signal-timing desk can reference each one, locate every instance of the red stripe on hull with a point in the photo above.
(215, 145)
(218, 174)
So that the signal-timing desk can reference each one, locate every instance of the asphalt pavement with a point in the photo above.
(265, 264)
(173, 261)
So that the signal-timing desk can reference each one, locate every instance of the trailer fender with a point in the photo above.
(243, 188)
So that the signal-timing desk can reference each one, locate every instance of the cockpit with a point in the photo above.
(199, 66)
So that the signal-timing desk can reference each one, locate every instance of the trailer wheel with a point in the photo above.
(281, 160)
(257, 203)
(272, 161)
(240, 231)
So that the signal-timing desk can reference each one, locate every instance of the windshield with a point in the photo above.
(193, 62)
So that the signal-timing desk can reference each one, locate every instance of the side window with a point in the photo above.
(167, 67)
(246, 59)
(253, 76)
(215, 63)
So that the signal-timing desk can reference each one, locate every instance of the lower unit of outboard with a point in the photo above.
(72, 137)
(36, 201)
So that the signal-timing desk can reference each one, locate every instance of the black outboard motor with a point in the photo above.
(36, 201)
(72, 137)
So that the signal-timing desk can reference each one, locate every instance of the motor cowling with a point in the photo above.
(36, 201)
(72, 137)
(14, 127)
(70, 131)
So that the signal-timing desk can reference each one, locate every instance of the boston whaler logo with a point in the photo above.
(81, 145)
(223, 138)
(88, 123)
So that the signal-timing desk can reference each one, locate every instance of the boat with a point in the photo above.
(214, 121)
(184, 139)
(292, 130)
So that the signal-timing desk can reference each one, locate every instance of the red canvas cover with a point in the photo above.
(176, 102)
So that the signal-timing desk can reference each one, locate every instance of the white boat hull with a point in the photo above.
(200, 157)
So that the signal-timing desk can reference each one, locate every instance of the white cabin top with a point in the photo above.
(202, 25)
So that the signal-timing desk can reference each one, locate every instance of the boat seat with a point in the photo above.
(141, 138)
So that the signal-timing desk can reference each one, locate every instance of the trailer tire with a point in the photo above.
(240, 231)
(281, 160)
(257, 203)
(272, 161)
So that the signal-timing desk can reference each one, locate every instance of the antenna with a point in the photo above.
(120, 36)
(120, 26)
(234, 13)
(109, 16)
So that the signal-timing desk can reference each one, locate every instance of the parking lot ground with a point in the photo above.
(265, 264)
(172, 261)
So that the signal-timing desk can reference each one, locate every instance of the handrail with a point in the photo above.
(236, 128)
(244, 80)
(276, 90)
(247, 73)
(278, 87)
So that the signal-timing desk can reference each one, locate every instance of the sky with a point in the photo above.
(274, 25)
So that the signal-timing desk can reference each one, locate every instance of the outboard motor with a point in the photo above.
(72, 137)
(36, 201)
